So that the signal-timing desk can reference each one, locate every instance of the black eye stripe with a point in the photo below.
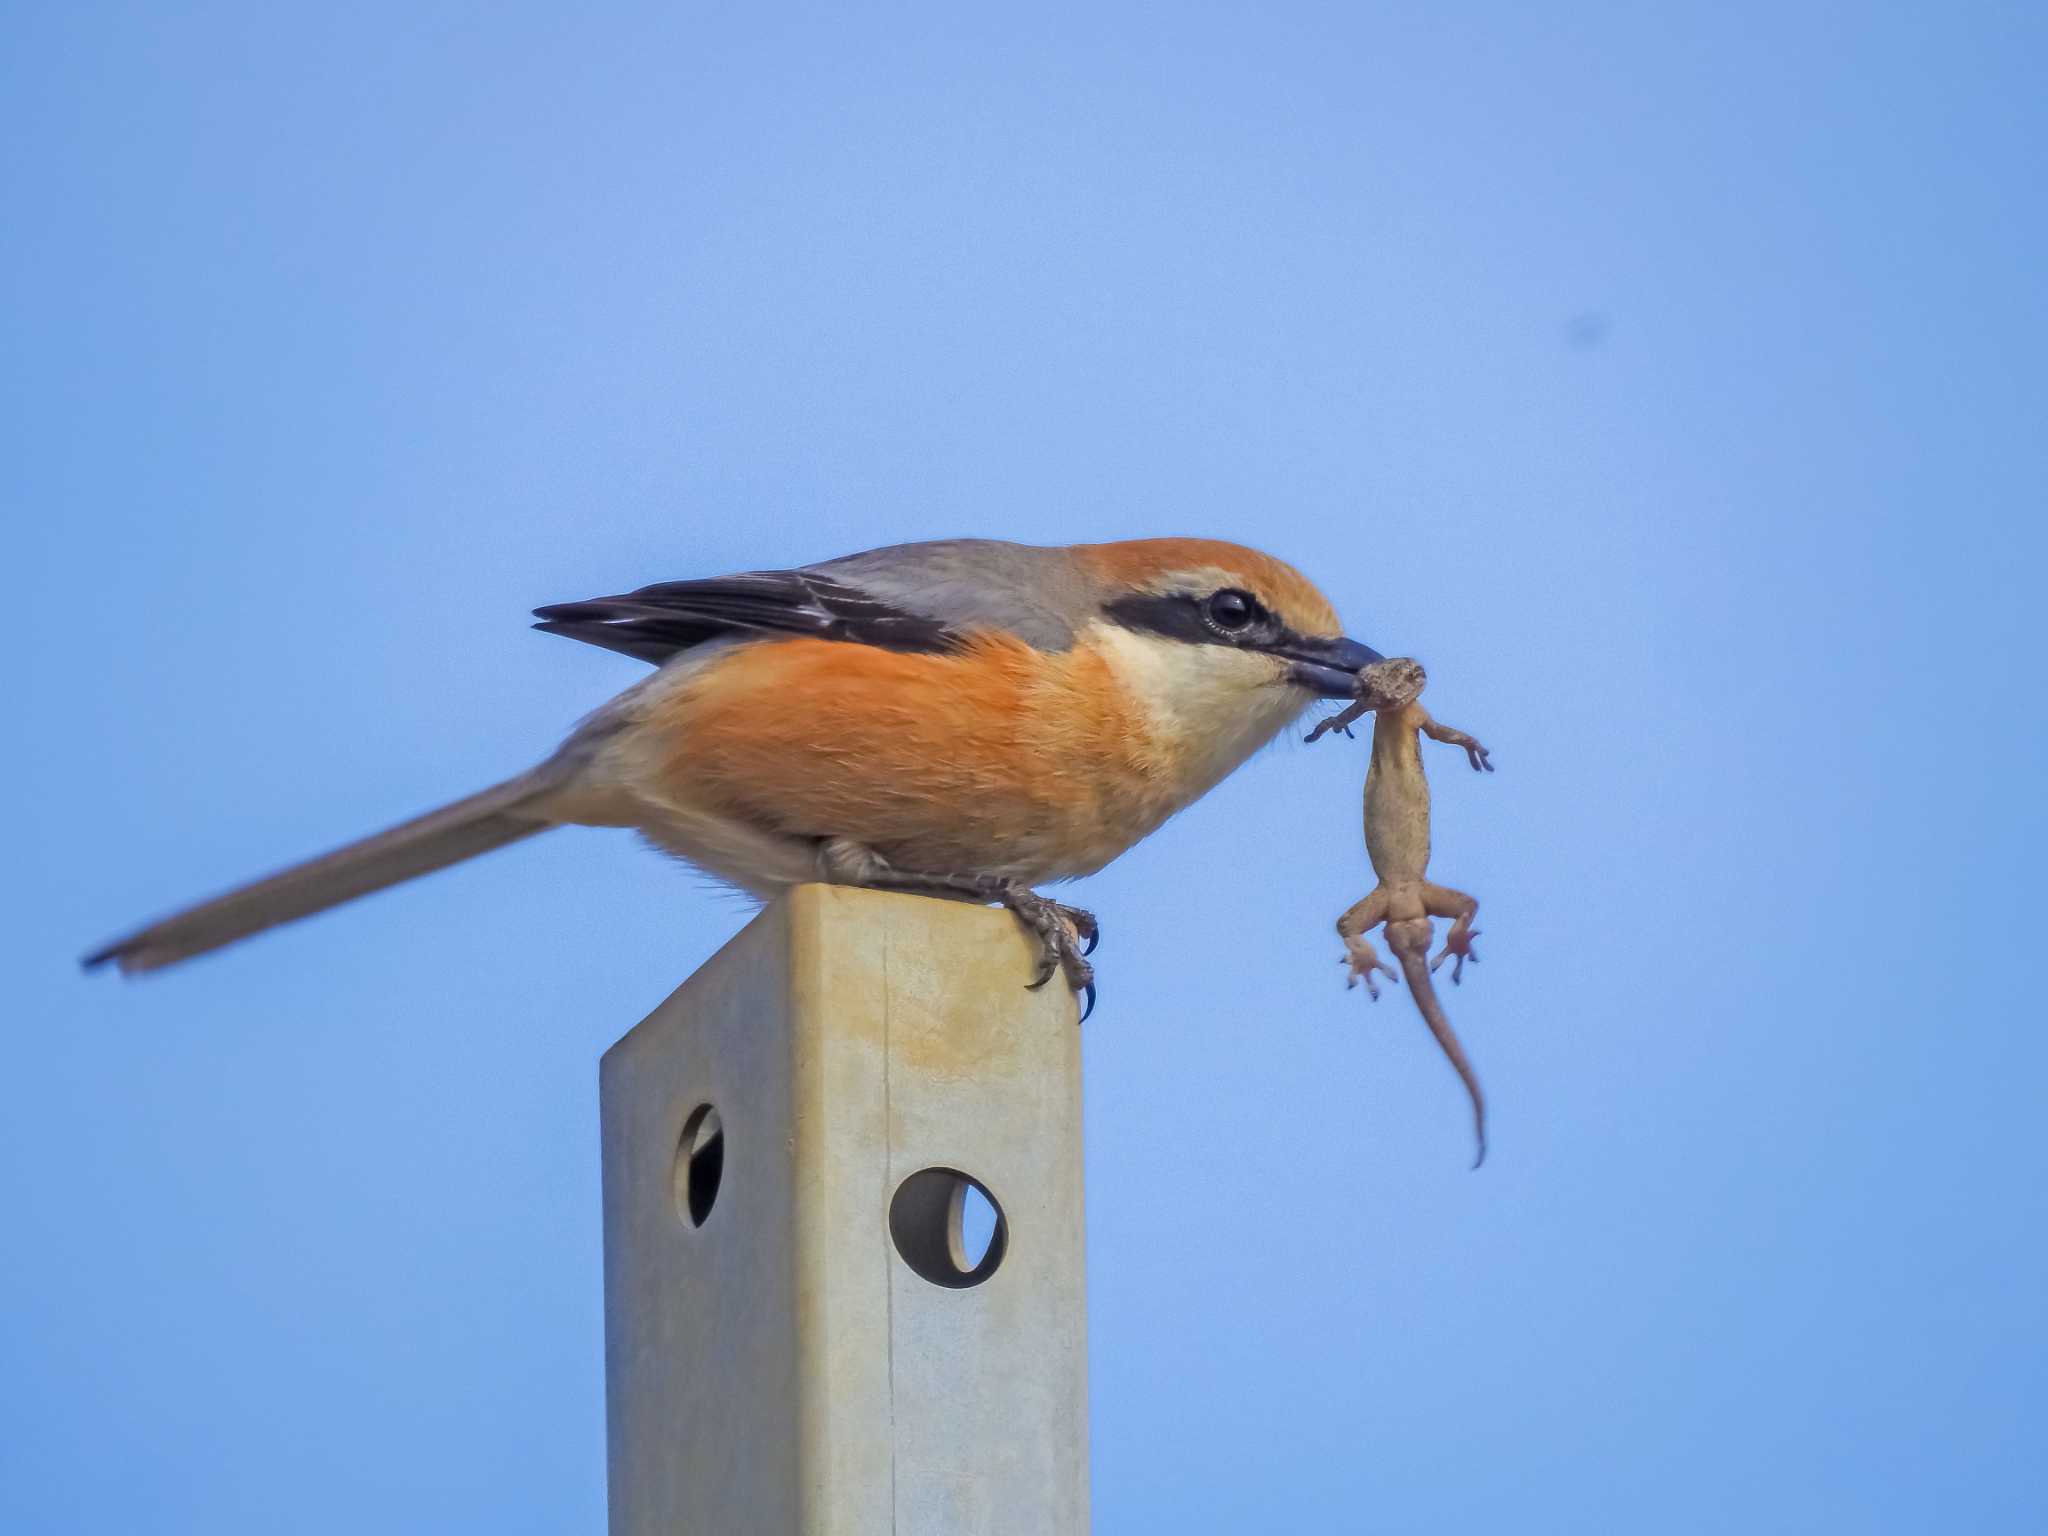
(1187, 616)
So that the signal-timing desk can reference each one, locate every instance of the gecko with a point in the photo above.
(1397, 843)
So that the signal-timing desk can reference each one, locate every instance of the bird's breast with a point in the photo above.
(997, 758)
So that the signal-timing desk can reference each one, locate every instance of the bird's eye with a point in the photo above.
(1230, 610)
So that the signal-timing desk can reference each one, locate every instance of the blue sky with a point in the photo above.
(1670, 379)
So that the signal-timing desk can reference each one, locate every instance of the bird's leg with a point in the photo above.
(1442, 901)
(1363, 959)
(1061, 931)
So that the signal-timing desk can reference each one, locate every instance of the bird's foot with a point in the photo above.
(1085, 927)
(1065, 935)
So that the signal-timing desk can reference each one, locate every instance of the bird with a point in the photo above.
(963, 718)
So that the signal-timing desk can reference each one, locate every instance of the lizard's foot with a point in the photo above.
(1340, 721)
(1458, 947)
(1363, 960)
(1475, 754)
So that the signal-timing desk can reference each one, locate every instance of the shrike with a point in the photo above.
(965, 718)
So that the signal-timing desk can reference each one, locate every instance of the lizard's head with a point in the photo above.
(1391, 684)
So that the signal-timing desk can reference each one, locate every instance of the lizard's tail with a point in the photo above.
(1414, 958)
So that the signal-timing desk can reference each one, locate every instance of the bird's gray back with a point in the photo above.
(1042, 595)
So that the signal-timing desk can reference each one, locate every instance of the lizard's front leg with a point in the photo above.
(1442, 901)
(1341, 721)
(1437, 731)
(1360, 956)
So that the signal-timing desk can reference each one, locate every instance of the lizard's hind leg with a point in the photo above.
(1442, 901)
(1363, 959)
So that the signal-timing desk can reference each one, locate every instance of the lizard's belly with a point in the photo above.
(1397, 824)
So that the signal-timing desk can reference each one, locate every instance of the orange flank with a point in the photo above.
(1040, 761)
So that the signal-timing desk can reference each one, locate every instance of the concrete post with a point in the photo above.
(803, 1333)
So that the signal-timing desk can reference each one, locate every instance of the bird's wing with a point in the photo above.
(912, 597)
(656, 622)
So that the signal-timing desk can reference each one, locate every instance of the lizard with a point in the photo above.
(1397, 842)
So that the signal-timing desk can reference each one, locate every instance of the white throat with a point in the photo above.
(1213, 706)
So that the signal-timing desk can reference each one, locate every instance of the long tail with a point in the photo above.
(1415, 966)
(499, 815)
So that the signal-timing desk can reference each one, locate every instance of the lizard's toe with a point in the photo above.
(1458, 949)
(1363, 962)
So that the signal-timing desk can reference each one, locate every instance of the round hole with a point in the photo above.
(700, 1164)
(948, 1227)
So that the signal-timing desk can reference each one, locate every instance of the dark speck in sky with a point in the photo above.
(1586, 330)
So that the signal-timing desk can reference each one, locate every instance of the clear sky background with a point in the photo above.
(1669, 378)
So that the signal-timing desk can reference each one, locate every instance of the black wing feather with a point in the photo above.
(658, 622)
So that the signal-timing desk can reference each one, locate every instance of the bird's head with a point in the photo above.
(1219, 642)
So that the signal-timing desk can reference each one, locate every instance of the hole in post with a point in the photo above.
(700, 1164)
(948, 1227)
(976, 1226)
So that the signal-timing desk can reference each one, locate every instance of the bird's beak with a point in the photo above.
(1326, 666)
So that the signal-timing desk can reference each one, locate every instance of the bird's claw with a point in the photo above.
(1061, 931)
(1085, 927)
